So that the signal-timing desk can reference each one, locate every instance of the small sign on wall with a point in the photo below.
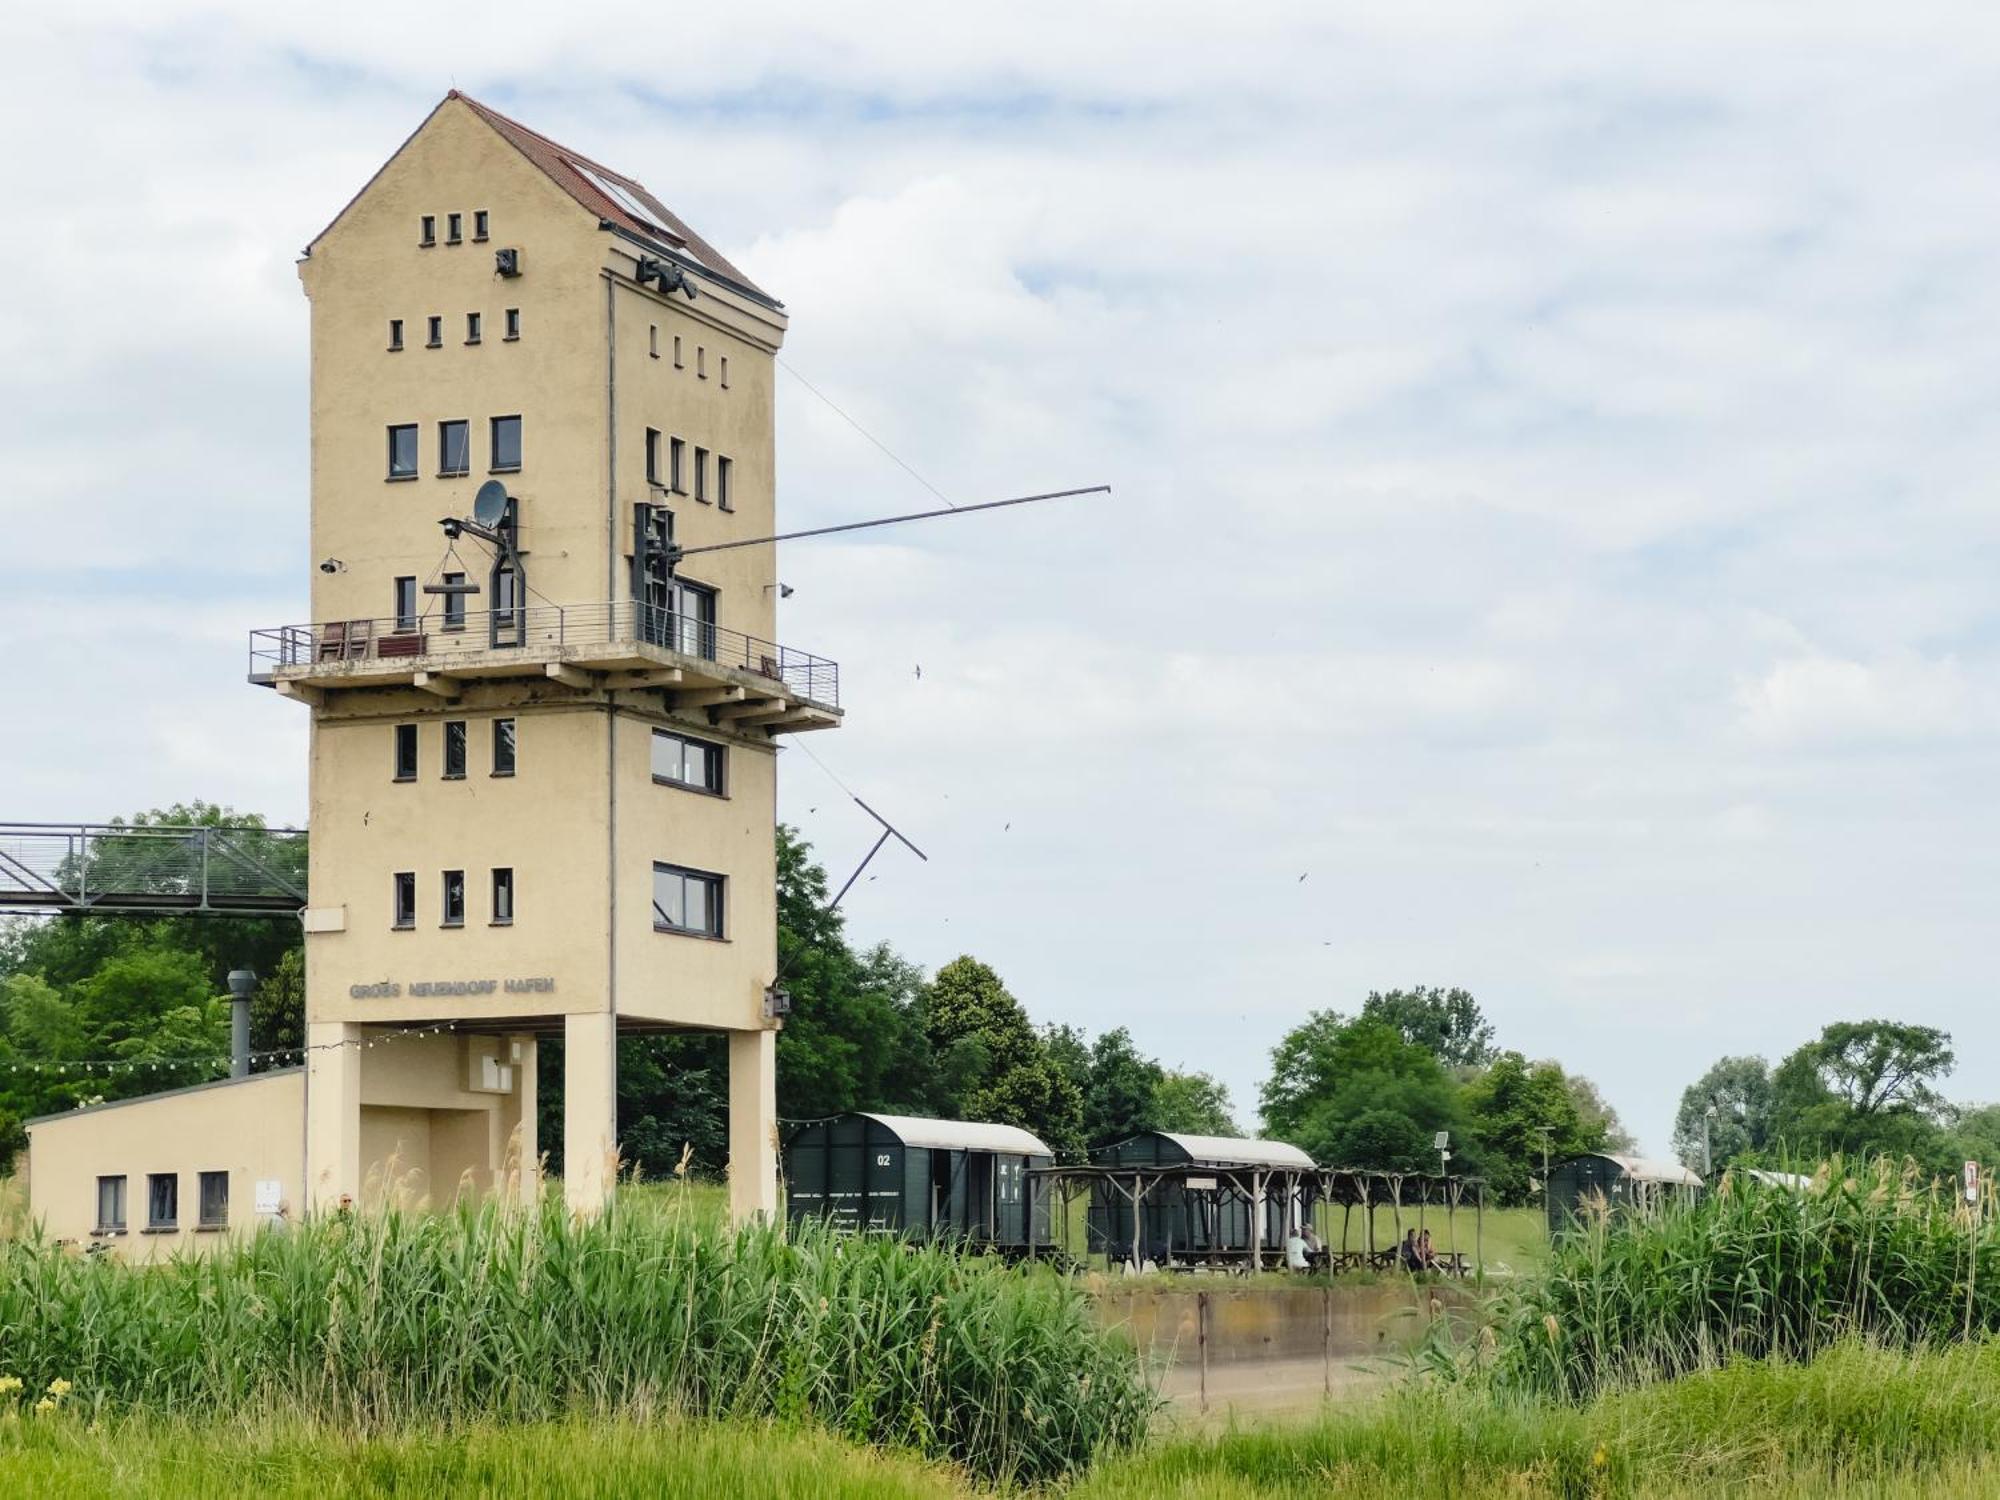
(270, 1193)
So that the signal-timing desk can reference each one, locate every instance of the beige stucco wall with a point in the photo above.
(253, 1129)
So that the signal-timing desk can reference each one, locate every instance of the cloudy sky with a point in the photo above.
(1553, 539)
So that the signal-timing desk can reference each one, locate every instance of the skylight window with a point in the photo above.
(619, 194)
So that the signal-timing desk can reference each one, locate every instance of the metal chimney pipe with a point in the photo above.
(241, 983)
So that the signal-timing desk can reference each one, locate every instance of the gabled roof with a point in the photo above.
(960, 1135)
(1237, 1151)
(1646, 1169)
(612, 196)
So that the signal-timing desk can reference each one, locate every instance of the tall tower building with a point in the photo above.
(543, 785)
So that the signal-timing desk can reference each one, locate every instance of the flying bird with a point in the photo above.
(1302, 878)
(920, 671)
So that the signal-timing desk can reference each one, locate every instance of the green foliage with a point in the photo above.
(378, 1322)
(1355, 1093)
(1448, 1024)
(1005, 1069)
(1739, 1089)
(1863, 1087)
(1193, 1103)
(1507, 1106)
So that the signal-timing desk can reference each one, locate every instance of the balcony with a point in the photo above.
(748, 682)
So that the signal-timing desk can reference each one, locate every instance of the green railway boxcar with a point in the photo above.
(1196, 1218)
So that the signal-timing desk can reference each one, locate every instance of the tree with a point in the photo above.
(1193, 1103)
(1123, 1087)
(1595, 1114)
(1510, 1108)
(1739, 1089)
(1448, 1024)
(1357, 1093)
(1863, 1087)
(1008, 1076)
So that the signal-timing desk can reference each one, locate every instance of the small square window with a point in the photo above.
(428, 227)
(406, 899)
(687, 901)
(454, 899)
(436, 330)
(503, 747)
(677, 352)
(454, 449)
(478, 224)
(722, 471)
(214, 1204)
(406, 603)
(506, 444)
(652, 455)
(395, 333)
(700, 362)
(701, 475)
(454, 604)
(406, 752)
(403, 451)
(725, 372)
(454, 228)
(454, 750)
(653, 339)
(503, 898)
(472, 328)
(110, 1204)
(676, 481)
(163, 1200)
(513, 323)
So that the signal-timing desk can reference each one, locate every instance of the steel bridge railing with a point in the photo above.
(86, 867)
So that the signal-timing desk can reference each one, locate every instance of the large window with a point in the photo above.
(163, 1200)
(454, 604)
(406, 752)
(694, 619)
(454, 899)
(722, 468)
(110, 1204)
(503, 897)
(406, 603)
(688, 901)
(454, 449)
(454, 750)
(406, 898)
(685, 762)
(403, 451)
(503, 747)
(214, 1200)
(506, 444)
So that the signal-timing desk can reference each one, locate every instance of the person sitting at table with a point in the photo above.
(1410, 1252)
(1315, 1247)
(1426, 1256)
(1295, 1251)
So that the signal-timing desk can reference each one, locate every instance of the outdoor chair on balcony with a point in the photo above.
(408, 643)
(345, 640)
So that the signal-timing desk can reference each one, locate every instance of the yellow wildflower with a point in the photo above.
(60, 1387)
(45, 1405)
(9, 1384)
(1600, 1458)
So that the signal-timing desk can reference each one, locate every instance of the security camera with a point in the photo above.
(333, 565)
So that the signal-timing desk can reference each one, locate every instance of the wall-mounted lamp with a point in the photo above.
(785, 590)
(333, 565)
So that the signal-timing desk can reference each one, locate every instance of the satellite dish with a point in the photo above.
(489, 506)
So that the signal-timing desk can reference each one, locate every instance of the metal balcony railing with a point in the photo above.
(438, 638)
(79, 867)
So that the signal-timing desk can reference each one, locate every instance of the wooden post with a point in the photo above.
(1326, 1337)
(1256, 1220)
(1138, 1215)
(1201, 1340)
(1479, 1228)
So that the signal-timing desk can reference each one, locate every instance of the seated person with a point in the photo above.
(1295, 1251)
(1410, 1253)
(1315, 1246)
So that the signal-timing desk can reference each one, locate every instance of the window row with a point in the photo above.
(454, 228)
(475, 329)
(454, 441)
(163, 1202)
(451, 898)
(456, 738)
(667, 468)
(700, 356)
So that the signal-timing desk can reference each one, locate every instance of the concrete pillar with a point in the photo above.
(527, 1076)
(753, 1126)
(333, 1116)
(590, 1110)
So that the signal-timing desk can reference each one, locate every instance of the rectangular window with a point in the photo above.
(110, 1203)
(687, 901)
(472, 328)
(693, 609)
(429, 234)
(725, 372)
(454, 604)
(722, 468)
(681, 761)
(406, 898)
(701, 475)
(506, 444)
(163, 1200)
(395, 333)
(653, 339)
(503, 747)
(513, 322)
(214, 1200)
(652, 455)
(406, 604)
(478, 224)
(454, 449)
(503, 898)
(454, 750)
(676, 449)
(700, 362)
(406, 752)
(403, 451)
(677, 351)
(454, 899)
(436, 327)
(454, 228)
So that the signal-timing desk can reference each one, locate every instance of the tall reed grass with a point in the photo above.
(376, 1321)
(1876, 1250)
